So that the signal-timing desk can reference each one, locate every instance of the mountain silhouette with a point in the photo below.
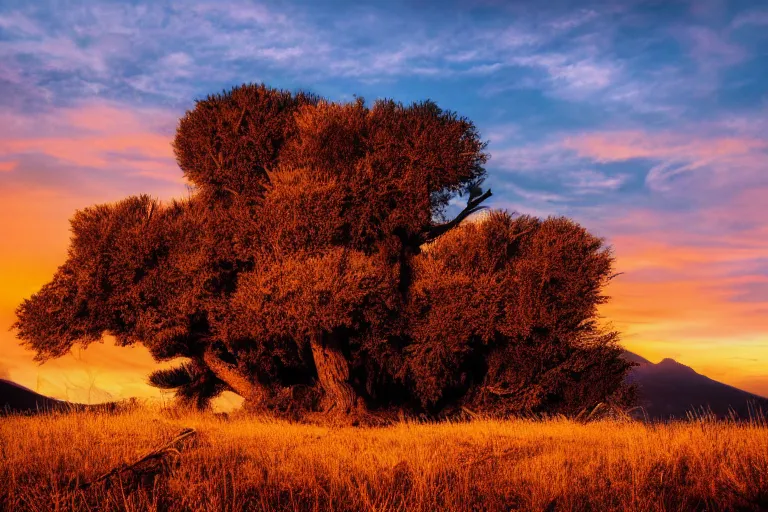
(17, 399)
(670, 390)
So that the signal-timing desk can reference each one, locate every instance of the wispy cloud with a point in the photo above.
(108, 49)
(537, 197)
(590, 181)
(104, 43)
(711, 48)
(108, 139)
(751, 18)
(674, 153)
(572, 76)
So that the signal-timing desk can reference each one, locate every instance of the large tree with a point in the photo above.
(315, 266)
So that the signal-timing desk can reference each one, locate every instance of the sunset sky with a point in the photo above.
(645, 121)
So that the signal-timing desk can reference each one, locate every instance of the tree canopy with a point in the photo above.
(315, 267)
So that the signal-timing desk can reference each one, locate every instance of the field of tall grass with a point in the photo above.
(247, 463)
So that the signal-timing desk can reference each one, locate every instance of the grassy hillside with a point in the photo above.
(256, 464)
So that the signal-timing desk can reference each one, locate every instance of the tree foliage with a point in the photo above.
(316, 259)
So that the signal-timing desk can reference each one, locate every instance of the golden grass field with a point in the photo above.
(247, 463)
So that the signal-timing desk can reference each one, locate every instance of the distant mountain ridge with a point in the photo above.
(670, 389)
(15, 398)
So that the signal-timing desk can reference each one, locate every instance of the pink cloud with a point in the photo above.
(675, 152)
(589, 181)
(7, 166)
(751, 18)
(98, 135)
(625, 145)
(711, 48)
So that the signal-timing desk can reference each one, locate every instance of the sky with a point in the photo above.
(645, 121)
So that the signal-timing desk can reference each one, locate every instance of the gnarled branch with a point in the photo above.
(252, 392)
(441, 229)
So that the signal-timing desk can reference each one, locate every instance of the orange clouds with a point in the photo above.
(92, 151)
(7, 166)
(689, 305)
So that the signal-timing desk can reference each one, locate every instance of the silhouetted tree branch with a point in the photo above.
(473, 206)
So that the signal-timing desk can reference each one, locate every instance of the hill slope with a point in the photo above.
(670, 389)
(15, 398)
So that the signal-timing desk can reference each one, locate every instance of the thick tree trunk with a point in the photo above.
(254, 393)
(333, 374)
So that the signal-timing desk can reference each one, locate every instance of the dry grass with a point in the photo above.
(260, 464)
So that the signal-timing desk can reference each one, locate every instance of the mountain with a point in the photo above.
(670, 390)
(15, 398)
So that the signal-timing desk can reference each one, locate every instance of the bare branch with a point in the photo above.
(154, 454)
(472, 207)
(234, 378)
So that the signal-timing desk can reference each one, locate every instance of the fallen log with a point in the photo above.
(139, 466)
